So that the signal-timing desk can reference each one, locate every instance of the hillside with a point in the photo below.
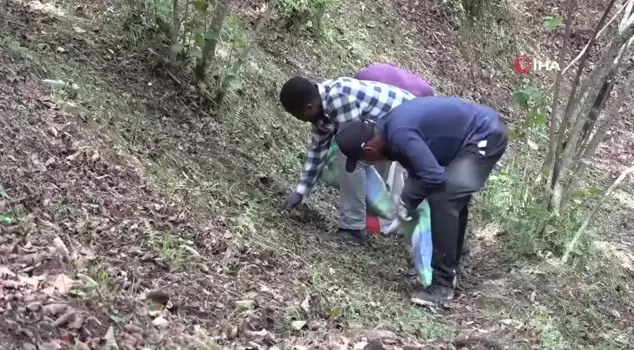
(136, 214)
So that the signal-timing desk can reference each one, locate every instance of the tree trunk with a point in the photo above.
(549, 164)
(209, 50)
(586, 100)
(176, 26)
(602, 129)
(554, 169)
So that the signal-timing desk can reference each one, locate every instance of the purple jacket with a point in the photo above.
(388, 74)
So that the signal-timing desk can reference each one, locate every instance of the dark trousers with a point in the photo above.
(449, 205)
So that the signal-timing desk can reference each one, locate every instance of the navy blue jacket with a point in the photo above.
(424, 134)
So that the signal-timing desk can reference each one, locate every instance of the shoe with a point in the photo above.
(354, 236)
(435, 294)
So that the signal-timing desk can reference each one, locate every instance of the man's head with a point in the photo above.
(360, 140)
(300, 97)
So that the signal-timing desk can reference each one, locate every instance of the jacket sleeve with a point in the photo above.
(427, 175)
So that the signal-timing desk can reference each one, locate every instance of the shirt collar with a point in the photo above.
(323, 93)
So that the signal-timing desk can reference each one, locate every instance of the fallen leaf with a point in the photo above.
(265, 289)
(191, 250)
(81, 346)
(160, 322)
(259, 334)
(62, 283)
(66, 318)
(245, 304)
(78, 30)
(250, 295)
(111, 342)
(305, 305)
(61, 247)
(360, 345)
(32, 281)
(154, 313)
(56, 84)
(531, 298)
(77, 323)
(49, 346)
(298, 325)
(54, 309)
(5, 272)
(34, 306)
(11, 284)
(32, 259)
(132, 328)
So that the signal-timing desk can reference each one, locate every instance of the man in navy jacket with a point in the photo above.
(449, 147)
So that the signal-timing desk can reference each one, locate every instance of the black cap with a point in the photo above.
(352, 138)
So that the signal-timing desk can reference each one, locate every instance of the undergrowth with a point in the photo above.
(514, 197)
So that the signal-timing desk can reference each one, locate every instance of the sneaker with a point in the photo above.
(435, 294)
(354, 236)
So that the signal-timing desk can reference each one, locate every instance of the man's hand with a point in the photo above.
(405, 213)
(293, 200)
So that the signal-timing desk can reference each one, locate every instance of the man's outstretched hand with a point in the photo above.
(293, 200)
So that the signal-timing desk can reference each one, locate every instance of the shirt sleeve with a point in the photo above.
(427, 174)
(315, 158)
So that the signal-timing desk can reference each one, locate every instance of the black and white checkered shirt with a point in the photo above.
(345, 100)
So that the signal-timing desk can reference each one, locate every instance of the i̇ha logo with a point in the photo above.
(524, 64)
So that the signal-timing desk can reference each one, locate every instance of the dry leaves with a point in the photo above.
(60, 283)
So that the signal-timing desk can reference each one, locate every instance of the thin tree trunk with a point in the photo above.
(554, 169)
(185, 17)
(585, 224)
(602, 129)
(209, 50)
(176, 25)
(592, 87)
(245, 53)
(549, 164)
(602, 98)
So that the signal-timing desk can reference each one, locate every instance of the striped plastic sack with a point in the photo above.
(377, 196)
(418, 232)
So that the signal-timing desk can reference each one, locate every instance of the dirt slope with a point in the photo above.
(132, 214)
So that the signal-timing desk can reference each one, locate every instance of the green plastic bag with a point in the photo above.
(418, 233)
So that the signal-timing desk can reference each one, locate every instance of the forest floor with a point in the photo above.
(134, 217)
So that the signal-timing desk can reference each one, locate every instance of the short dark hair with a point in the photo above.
(296, 93)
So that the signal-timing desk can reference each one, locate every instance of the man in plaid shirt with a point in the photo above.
(327, 106)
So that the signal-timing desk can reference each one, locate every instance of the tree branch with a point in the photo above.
(549, 164)
(603, 128)
(598, 34)
(596, 208)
